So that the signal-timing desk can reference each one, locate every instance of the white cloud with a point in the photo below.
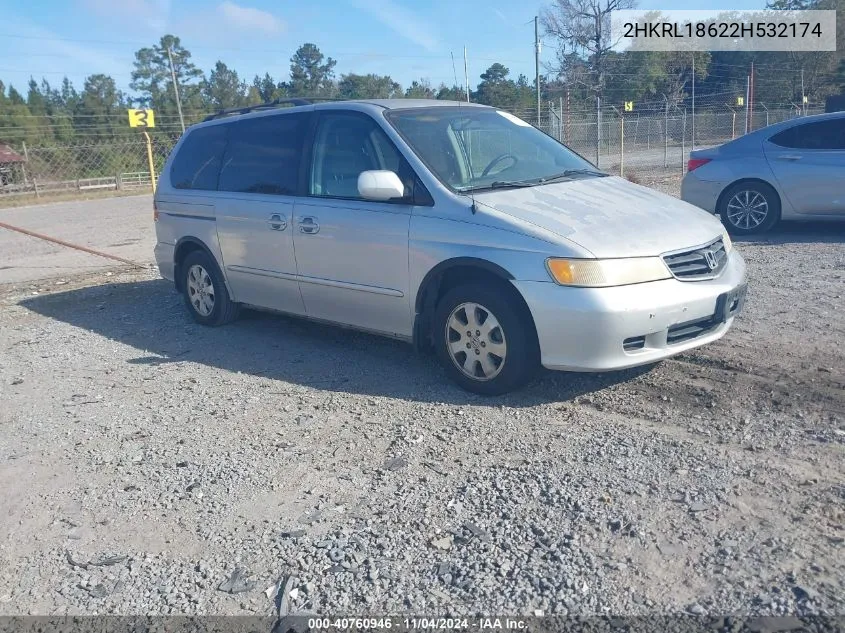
(403, 21)
(249, 18)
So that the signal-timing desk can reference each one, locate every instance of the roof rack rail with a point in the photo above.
(259, 106)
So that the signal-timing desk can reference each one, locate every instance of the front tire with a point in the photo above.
(485, 339)
(205, 292)
(749, 207)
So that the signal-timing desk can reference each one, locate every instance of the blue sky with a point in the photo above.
(406, 39)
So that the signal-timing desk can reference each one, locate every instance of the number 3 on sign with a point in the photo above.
(141, 118)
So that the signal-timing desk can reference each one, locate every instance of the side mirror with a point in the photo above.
(380, 185)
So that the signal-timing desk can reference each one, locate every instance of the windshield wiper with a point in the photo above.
(569, 173)
(532, 182)
(499, 184)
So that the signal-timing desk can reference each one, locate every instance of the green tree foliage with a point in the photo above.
(310, 75)
(101, 107)
(223, 88)
(496, 89)
(370, 86)
(454, 93)
(151, 77)
(420, 90)
(265, 89)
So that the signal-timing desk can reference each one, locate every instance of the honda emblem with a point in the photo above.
(710, 257)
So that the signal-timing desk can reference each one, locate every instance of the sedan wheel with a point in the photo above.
(747, 210)
(749, 207)
(477, 343)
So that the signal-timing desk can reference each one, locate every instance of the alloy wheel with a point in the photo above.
(476, 341)
(747, 209)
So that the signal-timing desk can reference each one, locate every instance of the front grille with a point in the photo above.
(691, 329)
(703, 262)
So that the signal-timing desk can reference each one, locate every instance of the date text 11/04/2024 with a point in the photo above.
(732, 30)
(417, 624)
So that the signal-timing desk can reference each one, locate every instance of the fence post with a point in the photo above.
(684, 141)
(598, 130)
(35, 185)
(622, 145)
(118, 181)
(560, 123)
(666, 134)
(150, 161)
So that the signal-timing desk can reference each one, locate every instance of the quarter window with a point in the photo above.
(197, 164)
(262, 155)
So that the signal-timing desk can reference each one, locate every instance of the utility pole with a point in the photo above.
(466, 73)
(537, 63)
(176, 89)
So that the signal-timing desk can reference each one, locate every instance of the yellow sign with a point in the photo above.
(629, 106)
(806, 99)
(141, 118)
(740, 101)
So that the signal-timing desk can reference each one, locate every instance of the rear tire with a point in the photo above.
(485, 339)
(748, 208)
(205, 291)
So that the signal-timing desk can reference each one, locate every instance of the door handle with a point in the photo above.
(277, 223)
(308, 225)
(789, 157)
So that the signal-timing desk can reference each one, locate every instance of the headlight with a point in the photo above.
(599, 273)
(726, 240)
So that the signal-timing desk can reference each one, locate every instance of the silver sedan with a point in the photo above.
(792, 170)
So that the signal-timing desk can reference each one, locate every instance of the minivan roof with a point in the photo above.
(261, 109)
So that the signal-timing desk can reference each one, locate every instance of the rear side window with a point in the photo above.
(818, 135)
(262, 155)
(197, 164)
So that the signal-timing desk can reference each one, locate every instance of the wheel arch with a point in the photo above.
(448, 274)
(185, 246)
(738, 181)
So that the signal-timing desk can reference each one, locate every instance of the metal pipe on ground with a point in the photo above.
(84, 249)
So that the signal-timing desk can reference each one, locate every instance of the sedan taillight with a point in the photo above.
(695, 163)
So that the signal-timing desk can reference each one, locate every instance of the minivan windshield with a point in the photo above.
(472, 148)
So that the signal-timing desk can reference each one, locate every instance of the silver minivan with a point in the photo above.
(449, 225)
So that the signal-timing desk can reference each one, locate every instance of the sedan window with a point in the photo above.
(828, 134)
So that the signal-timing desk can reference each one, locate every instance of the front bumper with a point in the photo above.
(601, 329)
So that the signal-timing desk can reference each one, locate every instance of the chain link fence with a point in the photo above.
(648, 145)
(651, 143)
(115, 164)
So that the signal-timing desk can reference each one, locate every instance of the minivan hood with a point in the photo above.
(609, 216)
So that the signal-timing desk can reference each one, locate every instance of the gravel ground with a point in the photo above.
(152, 466)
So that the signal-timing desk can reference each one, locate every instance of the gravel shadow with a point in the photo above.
(830, 232)
(150, 317)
